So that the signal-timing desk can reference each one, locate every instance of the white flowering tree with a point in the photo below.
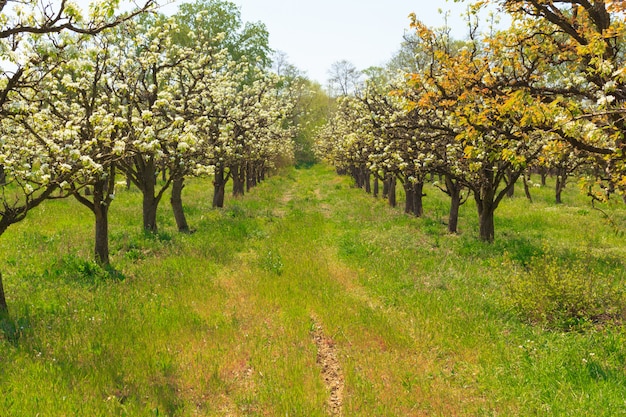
(73, 98)
(260, 117)
(153, 82)
(398, 148)
(346, 141)
(38, 156)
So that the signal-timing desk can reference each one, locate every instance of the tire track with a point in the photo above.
(331, 369)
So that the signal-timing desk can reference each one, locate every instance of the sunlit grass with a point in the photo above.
(220, 322)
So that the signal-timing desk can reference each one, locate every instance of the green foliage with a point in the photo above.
(221, 19)
(565, 295)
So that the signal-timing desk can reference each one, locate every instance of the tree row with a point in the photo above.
(544, 95)
(87, 102)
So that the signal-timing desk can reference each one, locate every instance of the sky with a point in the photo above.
(314, 34)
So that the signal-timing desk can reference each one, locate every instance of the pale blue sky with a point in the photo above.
(314, 34)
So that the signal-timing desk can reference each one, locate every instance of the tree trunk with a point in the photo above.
(4, 309)
(409, 192)
(150, 202)
(486, 205)
(176, 201)
(239, 180)
(560, 186)
(487, 227)
(376, 186)
(526, 178)
(418, 199)
(392, 191)
(356, 175)
(366, 180)
(101, 214)
(455, 205)
(250, 176)
(386, 183)
(219, 188)
(558, 192)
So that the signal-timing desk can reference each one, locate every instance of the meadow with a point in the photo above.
(308, 297)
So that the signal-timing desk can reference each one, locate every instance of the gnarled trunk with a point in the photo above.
(454, 191)
(561, 180)
(376, 186)
(101, 214)
(149, 210)
(410, 197)
(251, 177)
(391, 192)
(418, 199)
(366, 175)
(487, 226)
(386, 182)
(176, 202)
(486, 204)
(239, 179)
(526, 179)
(219, 187)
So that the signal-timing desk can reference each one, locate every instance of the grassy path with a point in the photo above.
(305, 298)
(291, 283)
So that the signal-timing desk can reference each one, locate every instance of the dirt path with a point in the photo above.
(331, 369)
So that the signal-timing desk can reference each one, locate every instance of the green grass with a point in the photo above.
(220, 322)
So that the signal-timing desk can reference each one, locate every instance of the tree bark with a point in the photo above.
(176, 201)
(239, 179)
(486, 208)
(453, 189)
(418, 199)
(150, 202)
(386, 183)
(3, 176)
(376, 186)
(455, 205)
(561, 179)
(99, 205)
(251, 177)
(409, 203)
(526, 178)
(4, 309)
(487, 227)
(219, 188)
(367, 180)
(101, 214)
(486, 205)
(392, 191)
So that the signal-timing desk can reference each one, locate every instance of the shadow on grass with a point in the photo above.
(72, 269)
(12, 328)
(519, 249)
